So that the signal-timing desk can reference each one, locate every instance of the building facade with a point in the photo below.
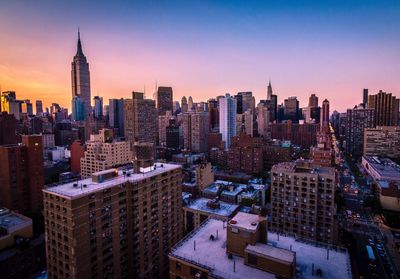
(227, 119)
(386, 107)
(382, 141)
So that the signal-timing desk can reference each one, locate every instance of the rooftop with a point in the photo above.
(200, 204)
(12, 221)
(271, 251)
(70, 191)
(302, 166)
(245, 221)
(211, 254)
(385, 167)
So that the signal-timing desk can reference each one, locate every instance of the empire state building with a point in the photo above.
(80, 80)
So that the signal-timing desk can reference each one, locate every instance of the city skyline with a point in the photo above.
(222, 47)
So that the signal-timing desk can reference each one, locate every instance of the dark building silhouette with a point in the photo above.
(386, 108)
(164, 100)
(8, 126)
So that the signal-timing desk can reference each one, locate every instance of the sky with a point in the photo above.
(203, 48)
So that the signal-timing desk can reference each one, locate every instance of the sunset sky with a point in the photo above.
(203, 48)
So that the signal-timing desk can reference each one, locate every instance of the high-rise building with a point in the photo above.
(263, 120)
(163, 122)
(195, 128)
(10, 104)
(190, 103)
(386, 108)
(98, 107)
(78, 109)
(80, 78)
(357, 120)
(184, 104)
(227, 118)
(244, 101)
(269, 91)
(173, 135)
(213, 111)
(22, 175)
(140, 119)
(164, 100)
(8, 128)
(39, 107)
(325, 116)
(77, 152)
(291, 109)
(382, 141)
(313, 101)
(304, 134)
(302, 200)
(103, 152)
(116, 224)
(27, 107)
(116, 115)
(245, 122)
(365, 97)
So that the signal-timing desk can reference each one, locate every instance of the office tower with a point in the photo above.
(140, 119)
(39, 107)
(325, 116)
(263, 119)
(239, 103)
(22, 175)
(274, 108)
(357, 120)
(116, 224)
(365, 97)
(173, 135)
(163, 122)
(8, 129)
(213, 112)
(247, 101)
(382, 141)
(164, 100)
(291, 109)
(116, 116)
(98, 107)
(176, 108)
(184, 104)
(386, 108)
(313, 101)
(227, 118)
(80, 79)
(190, 103)
(245, 122)
(78, 109)
(269, 91)
(195, 128)
(103, 152)
(10, 104)
(302, 199)
(26, 107)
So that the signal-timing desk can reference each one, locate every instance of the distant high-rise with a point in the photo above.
(313, 101)
(227, 118)
(78, 109)
(26, 107)
(325, 115)
(365, 97)
(386, 108)
(291, 109)
(190, 103)
(39, 107)
(357, 120)
(80, 78)
(246, 100)
(195, 128)
(98, 107)
(164, 100)
(263, 120)
(116, 115)
(10, 104)
(140, 119)
(184, 104)
(213, 111)
(269, 91)
(8, 127)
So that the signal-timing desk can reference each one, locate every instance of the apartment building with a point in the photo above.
(103, 152)
(116, 224)
(382, 141)
(302, 200)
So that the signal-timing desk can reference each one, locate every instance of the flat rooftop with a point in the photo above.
(245, 221)
(272, 252)
(11, 221)
(301, 166)
(384, 167)
(212, 255)
(225, 209)
(69, 191)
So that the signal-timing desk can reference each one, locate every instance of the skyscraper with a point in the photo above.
(140, 119)
(116, 116)
(386, 108)
(80, 78)
(269, 91)
(39, 107)
(313, 101)
(78, 109)
(190, 103)
(184, 104)
(98, 107)
(291, 110)
(365, 97)
(227, 118)
(195, 127)
(164, 100)
(325, 116)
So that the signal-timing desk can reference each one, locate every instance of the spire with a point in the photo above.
(79, 51)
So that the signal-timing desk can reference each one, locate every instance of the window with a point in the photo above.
(178, 266)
